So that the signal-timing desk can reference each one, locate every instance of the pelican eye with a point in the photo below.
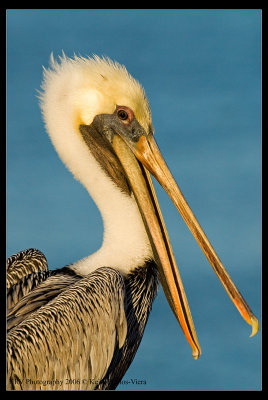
(125, 114)
(122, 114)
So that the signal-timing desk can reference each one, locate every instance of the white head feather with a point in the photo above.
(74, 92)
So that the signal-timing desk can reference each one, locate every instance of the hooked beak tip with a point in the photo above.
(255, 325)
(196, 354)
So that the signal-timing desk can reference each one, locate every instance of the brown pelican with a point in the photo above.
(80, 326)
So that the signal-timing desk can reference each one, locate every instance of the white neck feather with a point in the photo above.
(125, 242)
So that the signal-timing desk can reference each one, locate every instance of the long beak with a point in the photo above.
(147, 152)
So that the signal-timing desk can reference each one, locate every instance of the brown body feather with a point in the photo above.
(78, 333)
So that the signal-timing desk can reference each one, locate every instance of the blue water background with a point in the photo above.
(201, 70)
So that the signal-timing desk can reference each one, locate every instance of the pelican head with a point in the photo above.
(99, 120)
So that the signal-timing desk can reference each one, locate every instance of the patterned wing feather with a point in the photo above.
(24, 263)
(68, 343)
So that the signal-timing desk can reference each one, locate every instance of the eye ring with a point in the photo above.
(122, 114)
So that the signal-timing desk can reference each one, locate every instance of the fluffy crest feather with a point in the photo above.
(96, 85)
